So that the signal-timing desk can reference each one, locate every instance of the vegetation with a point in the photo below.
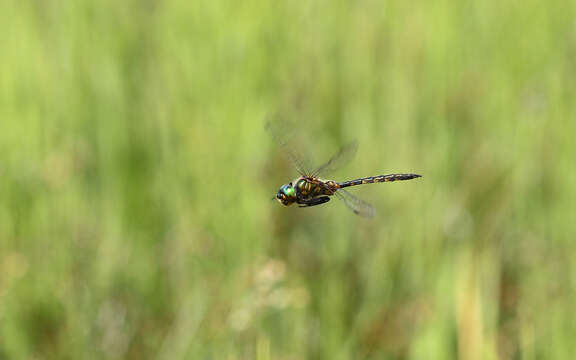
(136, 177)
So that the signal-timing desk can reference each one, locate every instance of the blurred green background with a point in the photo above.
(136, 177)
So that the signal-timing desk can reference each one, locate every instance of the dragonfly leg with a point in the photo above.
(313, 202)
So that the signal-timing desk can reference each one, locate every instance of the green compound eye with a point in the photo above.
(288, 190)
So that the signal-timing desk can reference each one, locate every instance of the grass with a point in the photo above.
(136, 177)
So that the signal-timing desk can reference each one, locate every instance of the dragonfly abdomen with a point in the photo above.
(378, 179)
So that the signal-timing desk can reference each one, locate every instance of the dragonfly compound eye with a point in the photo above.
(288, 190)
(286, 195)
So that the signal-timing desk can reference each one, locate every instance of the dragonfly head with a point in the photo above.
(286, 195)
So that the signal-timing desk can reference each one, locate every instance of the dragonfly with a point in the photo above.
(309, 189)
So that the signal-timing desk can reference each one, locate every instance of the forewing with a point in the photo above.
(283, 134)
(342, 157)
(358, 206)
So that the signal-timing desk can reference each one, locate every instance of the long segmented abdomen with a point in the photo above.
(378, 179)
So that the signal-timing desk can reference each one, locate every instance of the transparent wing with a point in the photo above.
(358, 206)
(283, 133)
(344, 156)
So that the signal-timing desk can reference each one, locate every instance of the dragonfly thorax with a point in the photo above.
(303, 187)
(309, 187)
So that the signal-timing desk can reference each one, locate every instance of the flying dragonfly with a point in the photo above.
(310, 190)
